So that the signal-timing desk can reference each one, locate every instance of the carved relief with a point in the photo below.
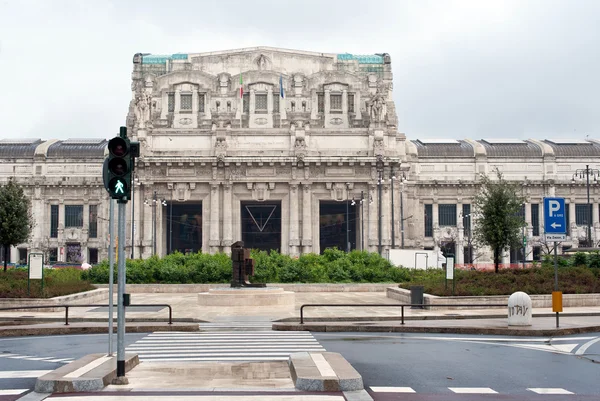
(263, 63)
(185, 121)
(317, 171)
(142, 109)
(378, 109)
(336, 121)
(261, 121)
(220, 150)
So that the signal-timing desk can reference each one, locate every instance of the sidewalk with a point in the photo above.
(186, 310)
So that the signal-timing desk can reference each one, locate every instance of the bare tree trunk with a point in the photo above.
(5, 257)
(496, 259)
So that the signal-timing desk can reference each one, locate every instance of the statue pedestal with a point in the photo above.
(267, 296)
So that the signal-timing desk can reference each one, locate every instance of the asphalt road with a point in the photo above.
(23, 359)
(441, 367)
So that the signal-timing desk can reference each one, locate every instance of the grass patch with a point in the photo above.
(537, 280)
(57, 282)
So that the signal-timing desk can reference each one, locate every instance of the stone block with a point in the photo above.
(519, 309)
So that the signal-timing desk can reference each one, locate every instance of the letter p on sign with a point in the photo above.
(554, 206)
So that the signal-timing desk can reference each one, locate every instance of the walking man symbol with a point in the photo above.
(119, 187)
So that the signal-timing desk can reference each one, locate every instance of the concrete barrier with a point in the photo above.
(88, 297)
(539, 301)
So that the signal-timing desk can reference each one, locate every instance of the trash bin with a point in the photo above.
(416, 296)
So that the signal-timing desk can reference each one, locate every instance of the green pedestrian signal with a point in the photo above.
(118, 166)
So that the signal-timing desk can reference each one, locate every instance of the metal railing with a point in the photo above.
(88, 306)
(402, 306)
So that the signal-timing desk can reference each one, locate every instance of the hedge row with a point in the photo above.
(537, 280)
(57, 282)
(591, 260)
(334, 266)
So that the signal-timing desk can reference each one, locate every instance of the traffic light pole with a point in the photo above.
(121, 305)
(111, 264)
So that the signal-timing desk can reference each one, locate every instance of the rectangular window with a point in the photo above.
(537, 253)
(321, 103)
(535, 218)
(22, 256)
(93, 225)
(276, 102)
(466, 212)
(582, 214)
(53, 221)
(350, 102)
(568, 218)
(52, 255)
(171, 102)
(201, 97)
(447, 215)
(186, 102)
(246, 103)
(428, 220)
(93, 259)
(74, 252)
(73, 215)
(261, 102)
(336, 102)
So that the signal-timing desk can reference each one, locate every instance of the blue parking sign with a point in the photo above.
(555, 221)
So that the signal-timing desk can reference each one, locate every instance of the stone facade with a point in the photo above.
(309, 145)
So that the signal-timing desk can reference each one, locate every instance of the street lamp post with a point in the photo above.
(132, 213)
(154, 201)
(595, 173)
(379, 184)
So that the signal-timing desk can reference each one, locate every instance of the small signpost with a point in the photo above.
(35, 267)
(450, 271)
(555, 229)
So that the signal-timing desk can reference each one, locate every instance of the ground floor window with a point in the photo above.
(337, 222)
(184, 227)
(261, 225)
(22, 256)
(74, 252)
(93, 256)
(52, 255)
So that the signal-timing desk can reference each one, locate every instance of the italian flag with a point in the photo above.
(241, 87)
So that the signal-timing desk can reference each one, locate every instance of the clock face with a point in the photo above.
(72, 234)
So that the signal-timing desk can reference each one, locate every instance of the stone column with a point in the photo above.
(270, 102)
(306, 219)
(327, 102)
(345, 102)
(386, 218)
(177, 101)
(252, 102)
(459, 258)
(528, 232)
(357, 111)
(227, 218)
(293, 223)
(373, 241)
(571, 207)
(314, 104)
(147, 216)
(214, 241)
(436, 225)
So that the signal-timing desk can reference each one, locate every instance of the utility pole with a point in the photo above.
(111, 277)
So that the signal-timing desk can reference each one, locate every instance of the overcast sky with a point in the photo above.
(462, 68)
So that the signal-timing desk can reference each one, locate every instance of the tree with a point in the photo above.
(497, 206)
(16, 219)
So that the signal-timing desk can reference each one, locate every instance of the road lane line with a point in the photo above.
(472, 390)
(550, 391)
(22, 374)
(585, 346)
(381, 389)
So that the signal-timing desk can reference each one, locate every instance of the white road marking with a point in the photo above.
(585, 346)
(472, 390)
(550, 391)
(380, 389)
(85, 369)
(324, 367)
(13, 391)
(21, 374)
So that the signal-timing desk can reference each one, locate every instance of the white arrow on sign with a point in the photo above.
(554, 225)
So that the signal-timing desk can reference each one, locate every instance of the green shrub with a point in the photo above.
(579, 259)
(57, 282)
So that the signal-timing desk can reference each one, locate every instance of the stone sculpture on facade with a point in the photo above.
(378, 107)
(142, 109)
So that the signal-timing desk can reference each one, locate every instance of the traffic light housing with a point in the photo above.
(118, 166)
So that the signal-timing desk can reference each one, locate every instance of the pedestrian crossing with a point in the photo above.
(36, 358)
(470, 390)
(243, 341)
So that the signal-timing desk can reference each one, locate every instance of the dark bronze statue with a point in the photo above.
(243, 266)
